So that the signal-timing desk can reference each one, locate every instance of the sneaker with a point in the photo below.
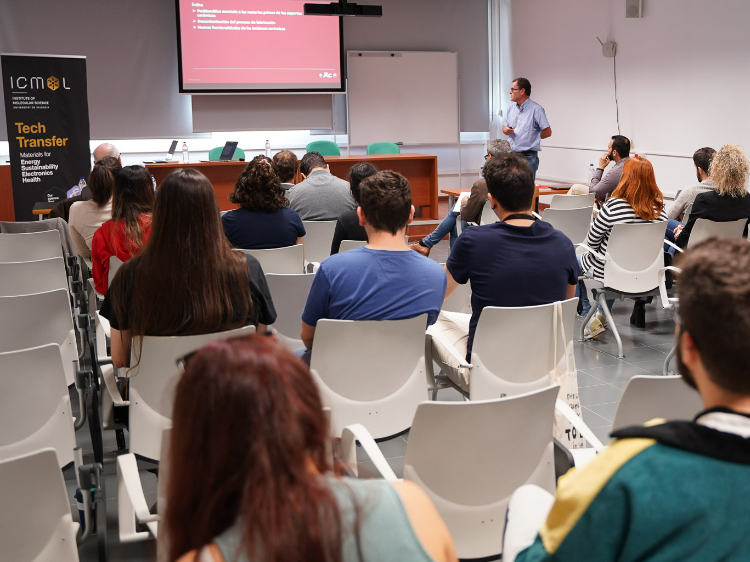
(595, 326)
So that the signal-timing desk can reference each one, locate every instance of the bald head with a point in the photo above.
(106, 149)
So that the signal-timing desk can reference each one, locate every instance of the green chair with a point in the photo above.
(326, 148)
(215, 153)
(383, 148)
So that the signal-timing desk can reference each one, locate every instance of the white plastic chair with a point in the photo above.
(318, 238)
(488, 215)
(703, 229)
(635, 254)
(573, 223)
(114, 265)
(288, 259)
(371, 372)
(668, 303)
(459, 301)
(572, 201)
(648, 396)
(351, 245)
(30, 247)
(289, 293)
(36, 524)
(152, 384)
(39, 319)
(26, 278)
(36, 411)
(470, 457)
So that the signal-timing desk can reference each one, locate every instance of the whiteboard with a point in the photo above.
(408, 96)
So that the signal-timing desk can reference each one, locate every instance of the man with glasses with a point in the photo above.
(526, 123)
(674, 490)
(471, 208)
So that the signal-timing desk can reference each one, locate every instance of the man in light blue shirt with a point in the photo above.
(526, 123)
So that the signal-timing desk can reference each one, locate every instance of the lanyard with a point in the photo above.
(519, 216)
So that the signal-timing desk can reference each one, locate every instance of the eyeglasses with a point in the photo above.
(488, 155)
(515, 89)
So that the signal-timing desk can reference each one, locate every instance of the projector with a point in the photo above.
(343, 8)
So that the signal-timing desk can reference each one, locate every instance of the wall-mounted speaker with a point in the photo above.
(633, 8)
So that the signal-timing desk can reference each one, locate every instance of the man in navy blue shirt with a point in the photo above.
(384, 280)
(518, 261)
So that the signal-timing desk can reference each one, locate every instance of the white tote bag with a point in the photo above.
(566, 376)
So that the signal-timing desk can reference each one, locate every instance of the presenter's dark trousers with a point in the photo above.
(533, 158)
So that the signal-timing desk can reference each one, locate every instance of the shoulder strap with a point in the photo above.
(521, 216)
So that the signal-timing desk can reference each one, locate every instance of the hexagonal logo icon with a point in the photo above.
(53, 83)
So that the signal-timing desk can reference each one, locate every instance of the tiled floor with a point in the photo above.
(601, 379)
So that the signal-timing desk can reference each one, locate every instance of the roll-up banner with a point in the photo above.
(47, 114)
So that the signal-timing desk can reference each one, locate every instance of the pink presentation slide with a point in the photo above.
(257, 45)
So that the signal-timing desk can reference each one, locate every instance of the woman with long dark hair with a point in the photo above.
(87, 216)
(187, 280)
(264, 219)
(126, 233)
(347, 225)
(250, 477)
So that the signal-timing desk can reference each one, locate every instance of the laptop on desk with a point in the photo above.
(169, 157)
(228, 153)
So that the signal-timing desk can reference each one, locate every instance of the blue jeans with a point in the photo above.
(669, 235)
(533, 158)
(583, 294)
(447, 226)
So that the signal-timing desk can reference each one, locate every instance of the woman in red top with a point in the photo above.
(127, 232)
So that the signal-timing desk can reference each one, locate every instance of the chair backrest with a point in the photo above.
(280, 260)
(383, 148)
(25, 278)
(647, 397)
(686, 213)
(636, 254)
(39, 319)
(39, 527)
(703, 229)
(459, 301)
(325, 147)
(30, 247)
(215, 153)
(371, 372)
(573, 223)
(114, 265)
(36, 406)
(318, 237)
(152, 383)
(470, 457)
(351, 245)
(572, 201)
(289, 294)
(514, 349)
(488, 215)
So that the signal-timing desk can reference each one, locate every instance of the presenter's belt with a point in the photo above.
(527, 152)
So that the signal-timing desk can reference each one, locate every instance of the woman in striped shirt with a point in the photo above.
(636, 199)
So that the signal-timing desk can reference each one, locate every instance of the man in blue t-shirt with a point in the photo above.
(384, 280)
(518, 261)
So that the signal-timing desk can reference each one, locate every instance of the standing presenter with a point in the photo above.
(526, 123)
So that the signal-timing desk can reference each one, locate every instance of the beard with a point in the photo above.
(683, 369)
(611, 156)
(698, 175)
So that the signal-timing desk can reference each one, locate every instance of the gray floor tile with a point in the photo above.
(644, 355)
(395, 447)
(397, 465)
(600, 394)
(602, 433)
(606, 411)
(622, 372)
(594, 420)
(449, 395)
(655, 367)
(587, 358)
(584, 380)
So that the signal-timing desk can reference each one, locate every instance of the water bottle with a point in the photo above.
(185, 154)
(153, 180)
(268, 149)
(592, 171)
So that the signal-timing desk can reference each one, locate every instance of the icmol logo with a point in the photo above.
(36, 83)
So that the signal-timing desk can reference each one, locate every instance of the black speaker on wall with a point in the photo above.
(633, 8)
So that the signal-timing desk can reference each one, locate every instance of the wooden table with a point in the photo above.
(420, 169)
(7, 212)
(555, 189)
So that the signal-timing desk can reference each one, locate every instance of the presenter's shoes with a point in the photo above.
(638, 317)
(417, 247)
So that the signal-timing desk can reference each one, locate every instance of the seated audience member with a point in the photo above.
(702, 161)
(249, 421)
(636, 200)
(471, 207)
(518, 261)
(87, 216)
(384, 280)
(347, 225)
(62, 209)
(321, 196)
(264, 219)
(125, 234)
(730, 200)
(187, 280)
(285, 164)
(618, 152)
(675, 490)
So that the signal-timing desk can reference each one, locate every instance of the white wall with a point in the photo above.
(683, 73)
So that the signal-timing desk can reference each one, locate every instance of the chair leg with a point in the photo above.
(668, 360)
(591, 313)
(434, 394)
(602, 300)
